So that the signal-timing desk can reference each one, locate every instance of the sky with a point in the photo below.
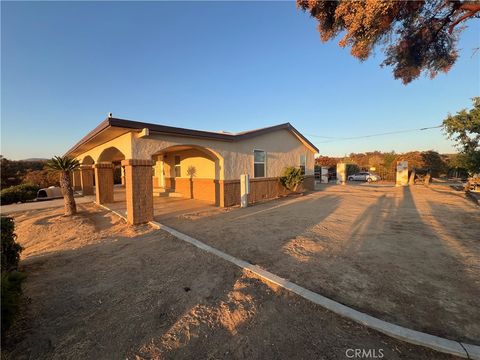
(213, 66)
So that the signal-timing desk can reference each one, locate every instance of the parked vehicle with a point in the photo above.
(52, 192)
(364, 176)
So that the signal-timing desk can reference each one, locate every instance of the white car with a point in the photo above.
(52, 192)
(363, 176)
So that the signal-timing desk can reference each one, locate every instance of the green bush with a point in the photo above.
(291, 178)
(11, 281)
(11, 294)
(10, 249)
(18, 193)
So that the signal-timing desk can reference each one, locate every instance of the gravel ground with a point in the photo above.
(99, 289)
(408, 256)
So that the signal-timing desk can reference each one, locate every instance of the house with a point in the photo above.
(149, 159)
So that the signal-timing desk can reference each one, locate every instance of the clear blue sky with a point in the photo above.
(208, 65)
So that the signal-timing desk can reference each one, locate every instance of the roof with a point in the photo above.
(116, 127)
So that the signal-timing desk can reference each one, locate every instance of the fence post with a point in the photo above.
(244, 190)
(341, 173)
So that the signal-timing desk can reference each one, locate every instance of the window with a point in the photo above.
(178, 171)
(259, 157)
(303, 163)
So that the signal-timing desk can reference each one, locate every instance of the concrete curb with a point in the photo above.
(464, 350)
(113, 211)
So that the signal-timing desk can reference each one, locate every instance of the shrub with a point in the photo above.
(11, 294)
(42, 178)
(18, 193)
(11, 278)
(291, 178)
(10, 249)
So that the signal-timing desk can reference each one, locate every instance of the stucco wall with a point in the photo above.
(123, 143)
(236, 158)
(203, 165)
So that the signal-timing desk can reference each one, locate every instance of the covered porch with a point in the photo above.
(174, 180)
(164, 207)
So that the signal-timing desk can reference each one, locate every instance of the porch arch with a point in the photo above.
(189, 170)
(111, 154)
(108, 172)
(87, 160)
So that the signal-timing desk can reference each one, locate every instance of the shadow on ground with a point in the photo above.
(409, 256)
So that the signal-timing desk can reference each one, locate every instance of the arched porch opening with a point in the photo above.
(87, 160)
(109, 176)
(188, 171)
(84, 178)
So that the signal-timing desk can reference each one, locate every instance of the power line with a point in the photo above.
(334, 139)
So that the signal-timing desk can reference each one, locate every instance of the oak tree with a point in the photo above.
(416, 36)
(464, 128)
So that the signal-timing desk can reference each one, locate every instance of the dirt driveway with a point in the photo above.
(99, 289)
(411, 257)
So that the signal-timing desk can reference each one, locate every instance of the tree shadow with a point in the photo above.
(415, 278)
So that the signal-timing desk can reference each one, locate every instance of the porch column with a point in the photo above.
(122, 175)
(138, 190)
(104, 182)
(86, 179)
(77, 183)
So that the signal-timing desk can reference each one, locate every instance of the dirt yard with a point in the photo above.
(411, 257)
(98, 289)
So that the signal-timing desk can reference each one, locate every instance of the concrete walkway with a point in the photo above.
(165, 207)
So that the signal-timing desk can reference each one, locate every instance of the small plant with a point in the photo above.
(291, 178)
(65, 165)
(11, 278)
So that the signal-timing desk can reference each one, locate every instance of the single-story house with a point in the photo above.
(149, 159)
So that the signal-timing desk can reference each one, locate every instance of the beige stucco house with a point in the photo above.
(151, 158)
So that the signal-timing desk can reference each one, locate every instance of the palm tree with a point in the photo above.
(65, 165)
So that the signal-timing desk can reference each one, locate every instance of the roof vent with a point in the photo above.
(110, 115)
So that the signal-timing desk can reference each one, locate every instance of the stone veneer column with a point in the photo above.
(76, 180)
(86, 179)
(341, 173)
(104, 182)
(138, 190)
(402, 173)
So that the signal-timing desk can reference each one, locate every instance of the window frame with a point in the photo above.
(264, 164)
(177, 166)
(304, 170)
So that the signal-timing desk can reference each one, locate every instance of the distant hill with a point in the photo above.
(34, 159)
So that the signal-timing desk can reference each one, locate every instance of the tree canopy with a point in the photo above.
(417, 36)
(464, 128)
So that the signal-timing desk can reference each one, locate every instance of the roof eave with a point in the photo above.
(181, 132)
